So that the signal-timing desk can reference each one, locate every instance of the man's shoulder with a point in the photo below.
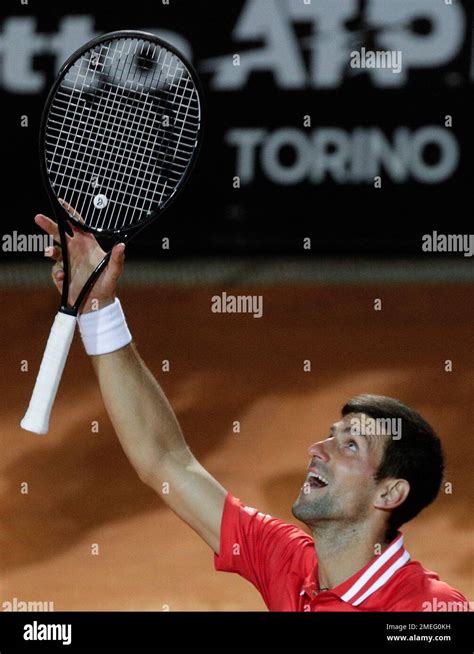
(420, 589)
(265, 543)
(278, 530)
(271, 524)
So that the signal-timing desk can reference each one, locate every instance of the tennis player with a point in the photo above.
(360, 487)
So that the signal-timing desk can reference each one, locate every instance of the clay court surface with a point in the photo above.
(224, 368)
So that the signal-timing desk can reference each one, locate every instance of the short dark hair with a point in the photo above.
(417, 456)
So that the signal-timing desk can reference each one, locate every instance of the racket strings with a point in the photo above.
(123, 125)
(126, 123)
(121, 132)
(118, 125)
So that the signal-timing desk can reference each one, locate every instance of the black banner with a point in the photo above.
(135, 631)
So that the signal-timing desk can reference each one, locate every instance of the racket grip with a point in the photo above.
(36, 418)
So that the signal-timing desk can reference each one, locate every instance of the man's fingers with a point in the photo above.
(57, 268)
(48, 225)
(118, 254)
(57, 274)
(115, 266)
(54, 252)
(117, 258)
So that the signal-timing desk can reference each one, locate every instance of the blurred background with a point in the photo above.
(298, 178)
(315, 188)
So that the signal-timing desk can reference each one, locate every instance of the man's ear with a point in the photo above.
(391, 493)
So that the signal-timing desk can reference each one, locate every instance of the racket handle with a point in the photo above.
(36, 418)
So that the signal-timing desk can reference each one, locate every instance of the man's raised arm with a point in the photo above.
(153, 441)
(141, 415)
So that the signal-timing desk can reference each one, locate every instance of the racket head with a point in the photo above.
(123, 103)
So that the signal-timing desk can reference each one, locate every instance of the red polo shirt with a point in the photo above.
(280, 561)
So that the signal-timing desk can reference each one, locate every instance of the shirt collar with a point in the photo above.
(371, 578)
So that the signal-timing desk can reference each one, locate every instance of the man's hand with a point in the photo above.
(84, 255)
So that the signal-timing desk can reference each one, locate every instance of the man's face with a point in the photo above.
(340, 483)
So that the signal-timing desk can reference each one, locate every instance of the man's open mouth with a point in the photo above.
(316, 481)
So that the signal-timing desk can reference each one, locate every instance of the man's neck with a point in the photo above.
(344, 550)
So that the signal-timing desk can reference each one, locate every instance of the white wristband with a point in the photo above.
(105, 330)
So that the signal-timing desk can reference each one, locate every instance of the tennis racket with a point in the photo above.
(120, 133)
